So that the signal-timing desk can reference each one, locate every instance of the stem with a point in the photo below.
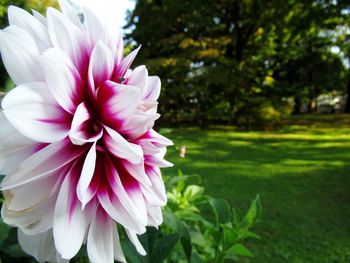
(219, 256)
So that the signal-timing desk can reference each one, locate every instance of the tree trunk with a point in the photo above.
(347, 104)
(312, 106)
(297, 105)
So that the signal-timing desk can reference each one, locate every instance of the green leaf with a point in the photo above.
(239, 250)
(193, 192)
(187, 247)
(222, 210)
(4, 231)
(15, 251)
(254, 212)
(252, 235)
(230, 236)
(174, 223)
(164, 247)
(195, 258)
(132, 256)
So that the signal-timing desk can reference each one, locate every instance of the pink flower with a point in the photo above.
(77, 144)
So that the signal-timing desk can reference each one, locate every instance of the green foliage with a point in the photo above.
(223, 62)
(207, 236)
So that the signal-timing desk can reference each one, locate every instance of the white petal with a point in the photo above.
(100, 238)
(152, 91)
(63, 79)
(121, 148)
(86, 176)
(139, 124)
(20, 17)
(70, 221)
(43, 163)
(23, 197)
(126, 63)
(32, 222)
(155, 217)
(40, 246)
(59, 259)
(154, 160)
(137, 171)
(114, 40)
(20, 55)
(35, 219)
(133, 238)
(119, 102)
(39, 17)
(131, 199)
(155, 195)
(138, 78)
(159, 139)
(115, 209)
(33, 111)
(118, 251)
(68, 37)
(94, 26)
(14, 147)
(70, 13)
(101, 65)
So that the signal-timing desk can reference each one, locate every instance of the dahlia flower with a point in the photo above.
(77, 145)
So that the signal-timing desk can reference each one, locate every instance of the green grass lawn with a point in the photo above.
(301, 172)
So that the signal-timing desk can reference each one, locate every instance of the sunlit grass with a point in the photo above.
(302, 173)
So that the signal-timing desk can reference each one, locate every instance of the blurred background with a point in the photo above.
(256, 96)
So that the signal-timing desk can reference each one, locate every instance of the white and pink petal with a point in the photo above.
(33, 111)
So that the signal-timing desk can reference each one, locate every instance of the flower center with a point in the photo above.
(85, 126)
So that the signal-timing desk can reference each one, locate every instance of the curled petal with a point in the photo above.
(83, 129)
(37, 213)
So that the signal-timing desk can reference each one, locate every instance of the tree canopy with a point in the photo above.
(241, 61)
